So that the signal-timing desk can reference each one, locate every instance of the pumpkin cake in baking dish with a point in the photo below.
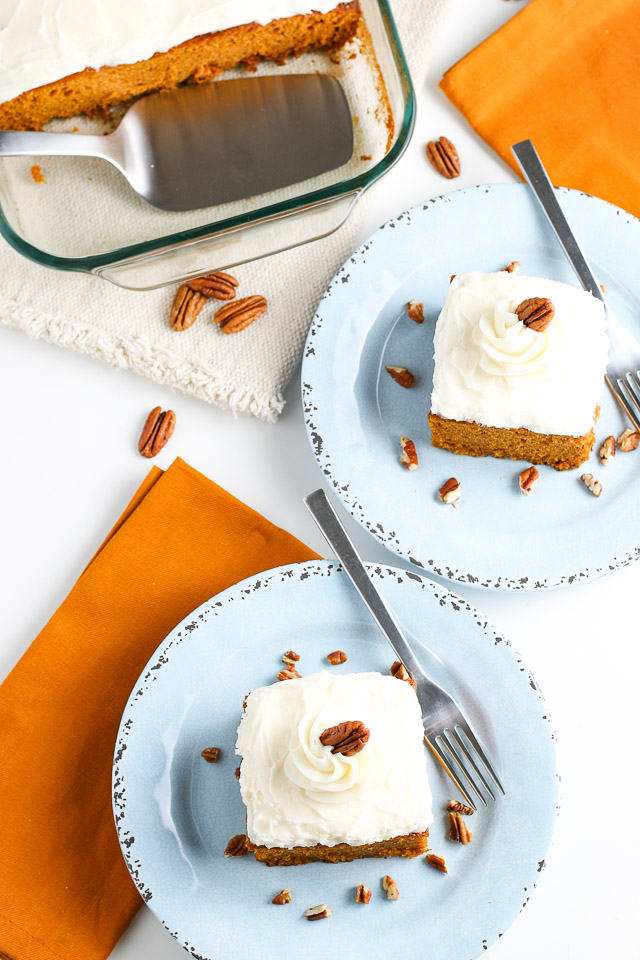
(334, 769)
(61, 58)
(519, 367)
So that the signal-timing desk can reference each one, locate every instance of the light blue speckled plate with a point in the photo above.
(355, 413)
(175, 813)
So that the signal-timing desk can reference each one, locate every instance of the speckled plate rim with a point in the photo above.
(507, 883)
(394, 249)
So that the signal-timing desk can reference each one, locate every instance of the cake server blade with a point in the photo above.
(212, 143)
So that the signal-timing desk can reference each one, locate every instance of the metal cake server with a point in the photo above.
(211, 143)
(446, 730)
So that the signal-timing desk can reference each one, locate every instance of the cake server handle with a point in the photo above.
(322, 511)
(30, 143)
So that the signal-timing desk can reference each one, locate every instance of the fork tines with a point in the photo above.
(455, 748)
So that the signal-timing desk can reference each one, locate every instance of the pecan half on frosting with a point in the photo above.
(536, 313)
(347, 738)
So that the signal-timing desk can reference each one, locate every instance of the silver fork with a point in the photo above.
(446, 731)
(623, 370)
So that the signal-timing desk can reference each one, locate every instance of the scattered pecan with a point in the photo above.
(237, 315)
(185, 308)
(399, 671)
(512, 267)
(157, 429)
(528, 480)
(237, 773)
(628, 440)
(283, 897)
(338, 656)
(289, 674)
(402, 376)
(592, 484)
(536, 313)
(438, 862)
(458, 829)
(290, 657)
(390, 887)
(415, 309)
(363, 894)
(220, 286)
(443, 157)
(607, 451)
(457, 807)
(408, 455)
(317, 913)
(238, 846)
(211, 754)
(449, 492)
(347, 738)
(452, 278)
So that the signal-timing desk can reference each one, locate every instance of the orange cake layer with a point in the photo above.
(476, 440)
(411, 845)
(196, 60)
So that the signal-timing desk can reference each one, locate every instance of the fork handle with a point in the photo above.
(338, 539)
(536, 176)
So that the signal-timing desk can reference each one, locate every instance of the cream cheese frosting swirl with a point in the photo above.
(326, 777)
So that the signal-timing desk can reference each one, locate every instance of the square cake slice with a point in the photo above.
(519, 367)
(334, 768)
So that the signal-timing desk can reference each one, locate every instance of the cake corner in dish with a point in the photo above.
(334, 769)
(519, 367)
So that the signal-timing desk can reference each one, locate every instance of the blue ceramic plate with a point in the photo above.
(175, 812)
(355, 413)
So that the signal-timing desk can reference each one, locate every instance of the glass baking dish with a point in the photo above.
(85, 217)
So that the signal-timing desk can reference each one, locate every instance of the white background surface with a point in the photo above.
(69, 466)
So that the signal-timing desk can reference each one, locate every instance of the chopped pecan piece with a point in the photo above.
(607, 451)
(443, 157)
(185, 308)
(390, 887)
(317, 913)
(402, 376)
(408, 455)
(221, 286)
(347, 738)
(290, 657)
(536, 313)
(458, 807)
(458, 829)
(289, 674)
(211, 754)
(592, 484)
(449, 492)
(438, 862)
(283, 897)
(338, 656)
(363, 894)
(628, 440)
(528, 480)
(512, 267)
(399, 671)
(157, 429)
(415, 309)
(238, 846)
(237, 315)
(237, 773)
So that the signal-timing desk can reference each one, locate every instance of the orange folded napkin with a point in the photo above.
(65, 892)
(566, 75)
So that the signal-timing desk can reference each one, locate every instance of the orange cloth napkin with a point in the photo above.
(566, 75)
(65, 892)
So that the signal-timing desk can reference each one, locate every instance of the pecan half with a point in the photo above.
(408, 455)
(157, 429)
(402, 376)
(438, 862)
(185, 308)
(347, 738)
(443, 157)
(238, 846)
(221, 286)
(338, 656)
(457, 807)
(528, 480)
(449, 492)
(211, 754)
(607, 451)
(458, 829)
(536, 313)
(363, 894)
(283, 897)
(290, 657)
(290, 674)
(592, 484)
(628, 440)
(317, 913)
(390, 887)
(237, 315)
(415, 309)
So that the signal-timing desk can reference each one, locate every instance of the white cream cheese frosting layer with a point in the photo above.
(45, 40)
(297, 793)
(492, 369)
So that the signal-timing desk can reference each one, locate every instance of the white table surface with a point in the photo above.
(70, 464)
